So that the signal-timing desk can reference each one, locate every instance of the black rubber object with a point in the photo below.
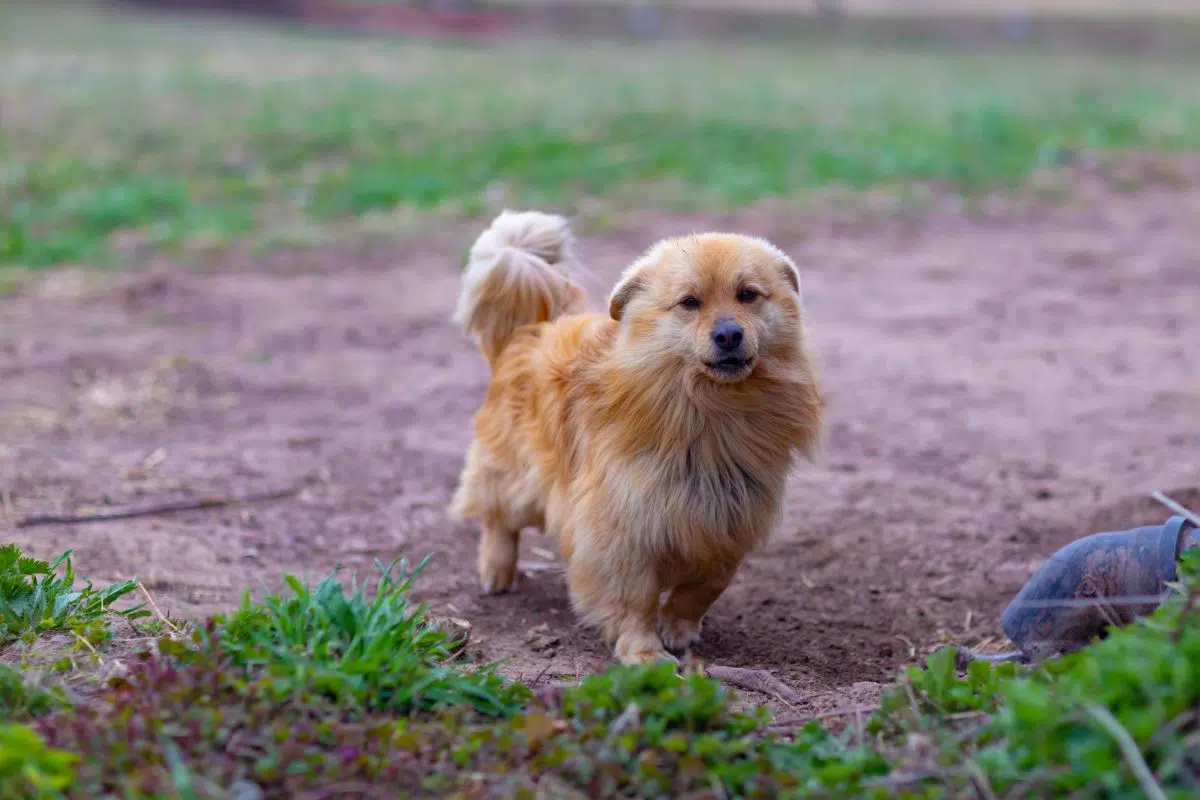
(1095, 582)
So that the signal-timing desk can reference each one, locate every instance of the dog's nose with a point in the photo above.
(727, 336)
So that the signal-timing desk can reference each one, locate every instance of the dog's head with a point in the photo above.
(727, 306)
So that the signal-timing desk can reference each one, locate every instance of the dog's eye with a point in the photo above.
(747, 296)
(690, 303)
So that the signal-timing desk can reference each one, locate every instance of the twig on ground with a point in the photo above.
(756, 680)
(965, 656)
(539, 566)
(792, 723)
(857, 710)
(157, 508)
(538, 678)
(1129, 750)
(79, 637)
(1177, 508)
(150, 598)
(979, 779)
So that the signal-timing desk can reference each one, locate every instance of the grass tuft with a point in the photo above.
(377, 653)
(35, 599)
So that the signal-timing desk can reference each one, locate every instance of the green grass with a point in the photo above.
(28, 768)
(20, 697)
(241, 702)
(369, 654)
(35, 599)
(122, 137)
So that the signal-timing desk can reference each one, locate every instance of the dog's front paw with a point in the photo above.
(639, 657)
(642, 648)
(497, 578)
(497, 561)
(678, 635)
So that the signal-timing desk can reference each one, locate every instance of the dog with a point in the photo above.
(653, 442)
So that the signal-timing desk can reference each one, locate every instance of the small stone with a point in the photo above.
(245, 790)
(540, 639)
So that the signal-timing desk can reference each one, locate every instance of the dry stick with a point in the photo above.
(982, 787)
(1177, 508)
(966, 655)
(1195, 519)
(156, 508)
(85, 643)
(1129, 749)
(166, 621)
(790, 723)
(755, 680)
(540, 675)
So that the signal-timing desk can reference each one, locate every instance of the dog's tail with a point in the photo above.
(517, 274)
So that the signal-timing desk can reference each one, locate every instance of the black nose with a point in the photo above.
(727, 336)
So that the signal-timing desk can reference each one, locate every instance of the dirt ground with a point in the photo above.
(996, 387)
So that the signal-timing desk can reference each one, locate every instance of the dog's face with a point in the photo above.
(725, 305)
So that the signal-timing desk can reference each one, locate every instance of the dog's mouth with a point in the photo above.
(730, 368)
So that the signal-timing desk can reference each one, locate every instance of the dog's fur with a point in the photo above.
(655, 469)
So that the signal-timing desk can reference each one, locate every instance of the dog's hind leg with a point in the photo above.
(498, 558)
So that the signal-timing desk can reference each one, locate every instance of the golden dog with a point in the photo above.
(653, 443)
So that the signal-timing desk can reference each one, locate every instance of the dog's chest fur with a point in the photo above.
(718, 488)
(712, 493)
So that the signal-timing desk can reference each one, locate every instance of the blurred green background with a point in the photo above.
(120, 130)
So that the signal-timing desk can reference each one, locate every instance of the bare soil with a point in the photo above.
(996, 386)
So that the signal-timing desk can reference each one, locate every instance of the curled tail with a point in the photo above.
(517, 274)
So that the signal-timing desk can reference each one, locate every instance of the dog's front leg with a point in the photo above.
(623, 601)
(637, 641)
(498, 558)
(683, 612)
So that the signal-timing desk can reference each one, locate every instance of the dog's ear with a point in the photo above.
(786, 266)
(630, 284)
(790, 273)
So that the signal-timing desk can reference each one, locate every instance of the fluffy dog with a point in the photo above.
(652, 442)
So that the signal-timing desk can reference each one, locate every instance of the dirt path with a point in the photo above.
(995, 389)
